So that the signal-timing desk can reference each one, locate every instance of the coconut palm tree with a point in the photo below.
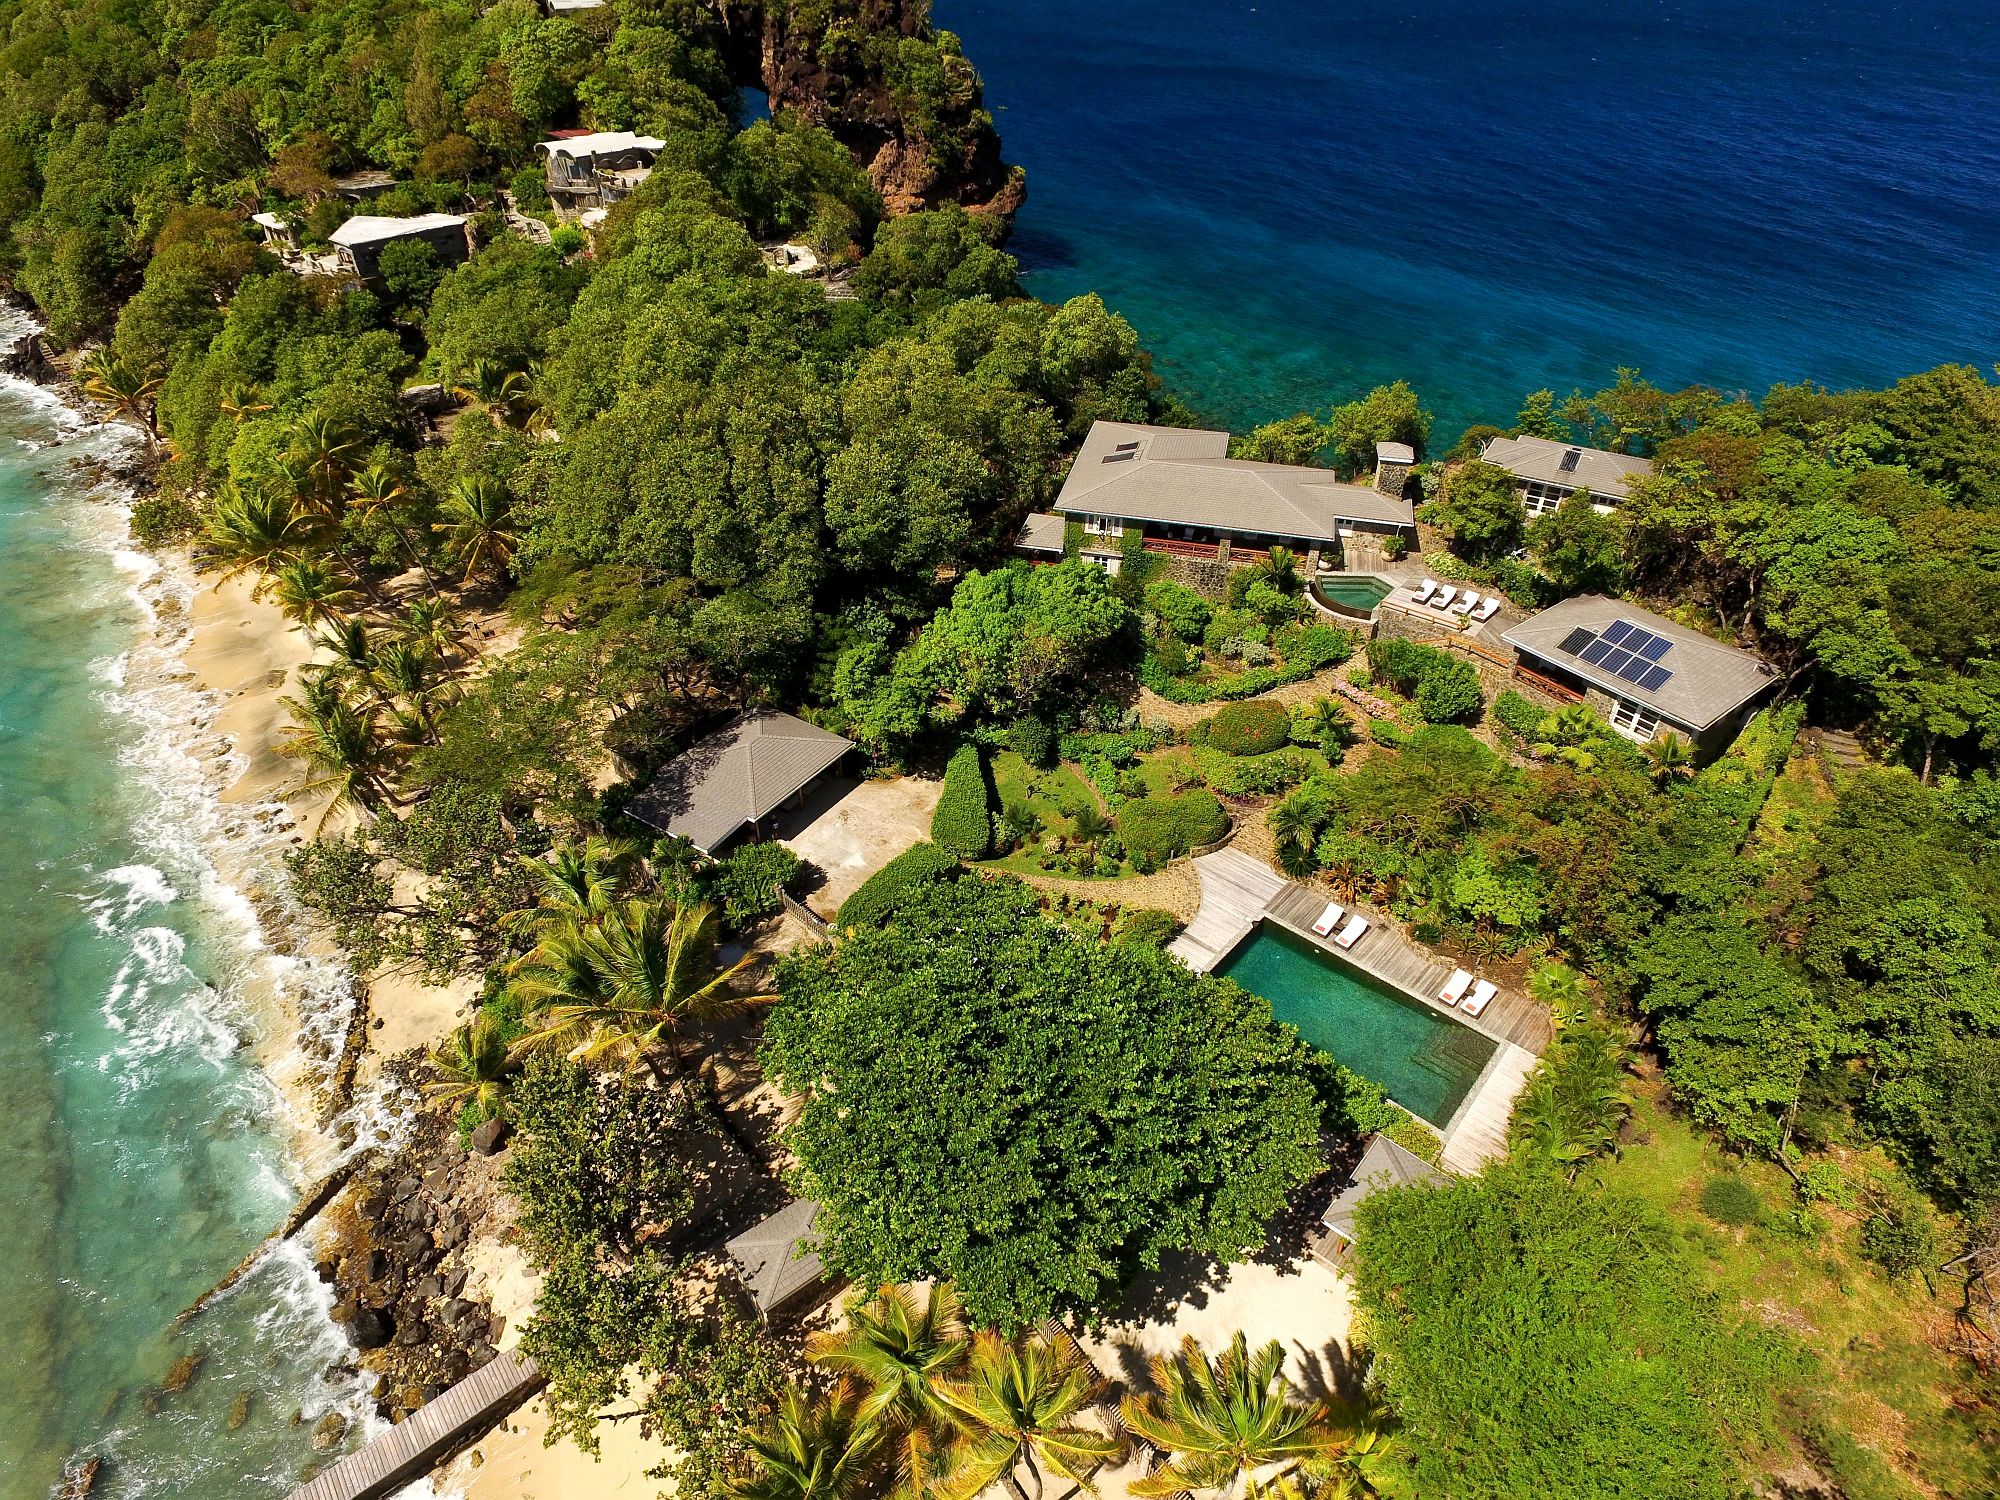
(1018, 1403)
(899, 1345)
(312, 591)
(125, 389)
(1575, 1102)
(478, 526)
(431, 624)
(824, 1450)
(1231, 1423)
(504, 393)
(242, 402)
(401, 669)
(340, 744)
(353, 649)
(376, 491)
(623, 988)
(325, 447)
(473, 1065)
(1292, 832)
(257, 530)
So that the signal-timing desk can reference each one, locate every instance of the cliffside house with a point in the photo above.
(1549, 472)
(279, 236)
(730, 782)
(570, 7)
(359, 187)
(594, 169)
(1644, 674)
(359, 242)
(1179, 488)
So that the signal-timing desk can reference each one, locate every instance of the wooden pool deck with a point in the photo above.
(413, 1446)
(1238, 892)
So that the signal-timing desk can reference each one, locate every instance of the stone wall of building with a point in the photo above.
(1207, 576)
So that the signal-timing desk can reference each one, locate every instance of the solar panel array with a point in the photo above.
(1631, 652)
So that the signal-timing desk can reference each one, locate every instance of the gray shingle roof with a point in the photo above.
(1595, 469)
(736, 776)
(1183, 477)
(1042, 532)
(1709, 679)
(1383, 1165)
(774, 1267)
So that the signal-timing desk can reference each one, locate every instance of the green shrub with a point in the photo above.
(1388, 732)
(881, 893)
(1156, 829)
(747, 883)
(1034, 742)
(1250, 728)
(1732, 1201)
(1314, 647)
(1265, 776)
(566, 239)
(160, 521)
(1180, 609)
(1147, 927)
(1449, 693)
(963, 821)
(1519, 717)
(1899, 1234)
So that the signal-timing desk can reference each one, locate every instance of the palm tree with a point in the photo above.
(504, 393)
(1292, 831)
(474, 1064)
(1280, 569)
(431, 624)
(1327, 725)
(1089, 825)
(353, 648)
(623, 988)
(242, 403)
(1671, 758)
(823, 1450)
(325, 446)
(1561, 988)
(1230, 1423)
(126, 389)
(900, 1345)
(312, 591)
(1018, 1403)
(479, 526)
(405, 670)
(376, 491)
(257, 530)
(339, 743)
(1575, 1101)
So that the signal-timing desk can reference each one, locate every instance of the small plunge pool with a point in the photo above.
(1427, 1062)
(1354, 594)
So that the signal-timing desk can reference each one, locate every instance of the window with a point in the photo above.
(1102, 525)
(1541, 498)
(1630, 719)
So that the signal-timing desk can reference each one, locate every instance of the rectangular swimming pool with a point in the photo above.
(1427, 1062)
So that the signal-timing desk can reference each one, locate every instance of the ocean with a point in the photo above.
(145, 1149)
(1294, 200)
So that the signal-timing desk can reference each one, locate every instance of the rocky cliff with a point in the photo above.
(898, 94)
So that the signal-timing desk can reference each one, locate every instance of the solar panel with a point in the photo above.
(1570, 460)
(1656, 648)
(1617, 660)
(1597, 651)
(1635, 669)
(1655, 679)
(1576, 640)
(1616, 631)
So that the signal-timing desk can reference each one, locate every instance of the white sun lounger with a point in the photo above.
(1333, 913)
(1425, 589)
(1442, 599)
(1351, 933)
(1482, 993)
(1488, 609)
(1464, 605)
(1455, 987)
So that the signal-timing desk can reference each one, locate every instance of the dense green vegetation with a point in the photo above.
(991, 1098)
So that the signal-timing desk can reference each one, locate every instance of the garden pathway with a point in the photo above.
(1235, 891)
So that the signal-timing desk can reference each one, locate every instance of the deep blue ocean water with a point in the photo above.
(1294, 201)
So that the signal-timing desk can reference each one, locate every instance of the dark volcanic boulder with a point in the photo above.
(371, 1328)
(489, 1136)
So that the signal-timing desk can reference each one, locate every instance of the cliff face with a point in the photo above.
(897, 94)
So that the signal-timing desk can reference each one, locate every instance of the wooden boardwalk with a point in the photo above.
(1477, 1132)
(414, 1446)
(1235, 892)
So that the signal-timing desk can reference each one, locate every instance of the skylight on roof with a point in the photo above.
(1570, 459)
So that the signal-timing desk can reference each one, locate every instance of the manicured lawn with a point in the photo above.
(1884, 1381)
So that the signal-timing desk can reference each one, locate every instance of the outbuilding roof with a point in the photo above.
(1705, 680)
(772, 1261)
(1176, 476)
(1383, 1165)
(736, 776)
(601, 143)
(375, 229)
(1042, 532)
(1595, 469)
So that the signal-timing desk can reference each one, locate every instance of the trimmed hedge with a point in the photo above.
(1250, 728)
(881, 893)
(963, 821)
(1034, 742)
(1156, 829)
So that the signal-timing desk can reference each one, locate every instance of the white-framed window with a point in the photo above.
(1102, 525)
(1541, 497)
(1630, 719)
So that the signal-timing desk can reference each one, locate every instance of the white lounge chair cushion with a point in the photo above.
(1488, 608)
(1464, 605)
(1351, 933)
(1455, 987)
(1482, 993)
(1425, 589)
(1333, 913)
(1444, 597)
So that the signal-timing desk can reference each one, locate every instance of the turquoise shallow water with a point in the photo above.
(143, 1152)
(1427, 1063)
